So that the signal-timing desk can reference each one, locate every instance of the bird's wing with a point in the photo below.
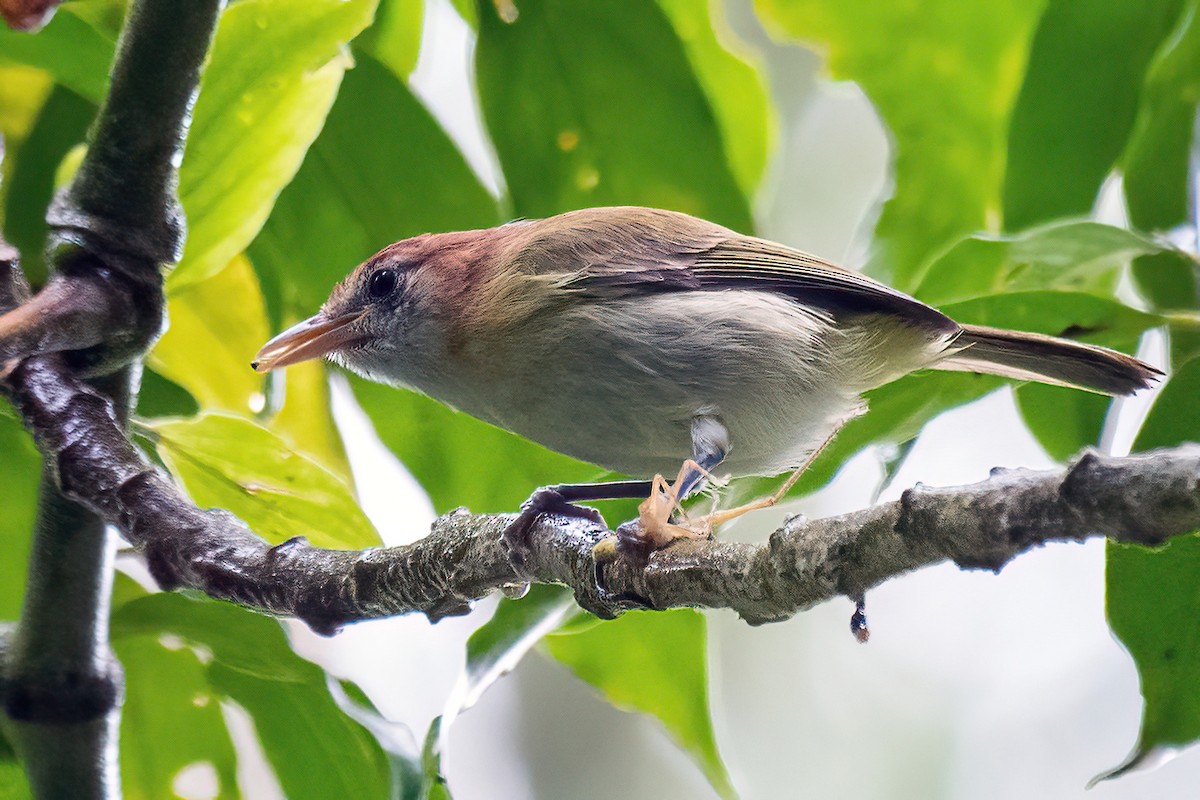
(741, 262)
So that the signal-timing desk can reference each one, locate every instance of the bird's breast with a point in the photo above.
(618, 383)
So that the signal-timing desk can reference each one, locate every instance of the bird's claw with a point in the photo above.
(545, 500)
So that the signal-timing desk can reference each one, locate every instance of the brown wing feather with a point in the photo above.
(634, 251)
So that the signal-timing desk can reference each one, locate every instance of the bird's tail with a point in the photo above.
(1033, 356)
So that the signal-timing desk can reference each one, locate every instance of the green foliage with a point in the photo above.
(345, 202)
(218, 652)
(76, 48)
(582, 126)
(309, 152)
(20, 467)
(1153, 593)
(943, 76)
(273, 73)
(1077, 105)
(61, 124)
(668, 680)
(233, 463)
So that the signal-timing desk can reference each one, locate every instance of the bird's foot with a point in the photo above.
(655, 526)
(546, 500)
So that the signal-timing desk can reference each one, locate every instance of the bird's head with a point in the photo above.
(396, 313)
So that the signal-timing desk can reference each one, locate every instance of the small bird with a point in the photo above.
(642, 340)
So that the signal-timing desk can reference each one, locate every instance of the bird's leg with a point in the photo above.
(562, 499)
(653, 528)
(718, 517)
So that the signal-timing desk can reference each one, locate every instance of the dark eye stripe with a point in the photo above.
(382, 283)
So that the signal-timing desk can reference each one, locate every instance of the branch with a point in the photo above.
(1144, 499)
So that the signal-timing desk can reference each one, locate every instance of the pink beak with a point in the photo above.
(315, 337)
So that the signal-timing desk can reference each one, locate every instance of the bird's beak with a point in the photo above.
(315, 337)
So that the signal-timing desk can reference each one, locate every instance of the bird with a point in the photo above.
(655, 343)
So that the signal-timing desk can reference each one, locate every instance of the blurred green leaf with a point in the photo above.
(594, 103)
(1156, 170)
(76, 47)
(735, 89)
(458, 459)
(160, 397)
(240, 639)
(498, 645)
(233, 463)
(23, 91)
(382, 170)
(1077, 104)
(61, 124)
(273, 73)
(1070, 256)
(20, 467)
(306, 418)
(1063, 420)
(434, 783)
(1074, 315)
(395, 37)
(169, 720)
(1153, 593)
(13, 785)
(1156, 160)
(316, 750)
(654, 662)
(943, 75)
(217, 325)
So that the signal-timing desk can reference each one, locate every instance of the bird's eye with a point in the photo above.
(382, 283)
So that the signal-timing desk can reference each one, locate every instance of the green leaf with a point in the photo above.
(458, 459)
(434, 783)
(654, 662)
(1157, 170)
(306, 419)
(1155, 164)
(169, 720)
(1077, 104)
(1070, 314)
(76, 47)
(235, 464)
(1071, 256)
(594, 103)
(735, 89)
(217, 325)
(496, 647)
(395, 38)
(61, 124)
(1153, 593)
(316, 750)
(240, 639)
(20, 466)
(944, 94)
(13, 785)
(159, 397)
(381, 170)
(273, 73)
